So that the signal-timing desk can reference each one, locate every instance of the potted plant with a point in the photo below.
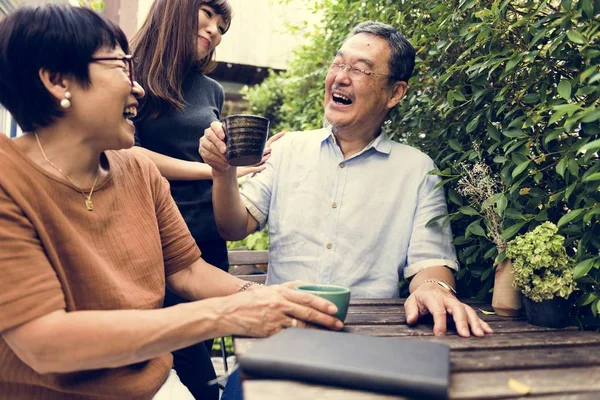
(484, 191)
(543, 272)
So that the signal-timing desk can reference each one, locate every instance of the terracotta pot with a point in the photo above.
(506, 300)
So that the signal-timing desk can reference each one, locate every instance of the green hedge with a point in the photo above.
(513, 84)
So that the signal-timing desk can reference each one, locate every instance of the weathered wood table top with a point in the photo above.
(517, 358)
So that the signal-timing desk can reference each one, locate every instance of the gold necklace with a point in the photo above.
(88, 198)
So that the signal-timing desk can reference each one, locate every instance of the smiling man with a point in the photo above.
(345, 204)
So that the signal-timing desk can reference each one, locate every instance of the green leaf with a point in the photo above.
(587, 218)
(501, 203)
(443, 182)
(566, 4)
(586, 299)
(542, 217)
(592, 178)
(450, 98)
(512, 63)
(593, 170)
(583, 268)
(476, 229)
(454, 197)
(434, 221)
(594, 78)
(500, 257)
(531, 98)
(569, 216)
(471, 126)
(552, 135)
(573, 167)
(591, 116)
(557, 116)
(556, 197)
(511, 213)
(460, 241)
(564, 89)
(490, 253)
(493, 133)
(576, 37)
(567, 108)
(486, 273)
(588, 9)
(561, 167)
(493, 148)
(514, 133)
(454, 145)
(512, 230)
(520, 168)
(591, 146)
(537, 192)
(570, 190)
(585, 74)
(458, 96)
(516, 123)
(467, 210)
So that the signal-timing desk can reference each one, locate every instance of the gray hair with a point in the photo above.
(402, 53)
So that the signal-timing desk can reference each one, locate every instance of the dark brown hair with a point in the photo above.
(165, 50)
(57, 38)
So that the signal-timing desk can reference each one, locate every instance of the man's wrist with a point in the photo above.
(445, 285)
(228, 174)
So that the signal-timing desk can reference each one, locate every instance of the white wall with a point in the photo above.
(258, 34)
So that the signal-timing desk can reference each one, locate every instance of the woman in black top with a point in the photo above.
(173, 51)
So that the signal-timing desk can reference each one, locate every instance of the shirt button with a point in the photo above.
(334, 205)
(329, 246)
(342, 165)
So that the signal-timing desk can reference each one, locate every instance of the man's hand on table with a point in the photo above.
(431, 298)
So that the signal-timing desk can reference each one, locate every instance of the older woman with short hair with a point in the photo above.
(89, 234)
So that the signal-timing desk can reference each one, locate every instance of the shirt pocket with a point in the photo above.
(300, 202)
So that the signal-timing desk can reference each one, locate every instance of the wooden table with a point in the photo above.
(551, 363)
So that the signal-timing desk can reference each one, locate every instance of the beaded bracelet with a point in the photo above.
(248, 284)
(440, 282)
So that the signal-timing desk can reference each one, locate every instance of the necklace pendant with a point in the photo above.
(89, 204)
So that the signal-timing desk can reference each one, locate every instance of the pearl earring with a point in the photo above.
(66, 103)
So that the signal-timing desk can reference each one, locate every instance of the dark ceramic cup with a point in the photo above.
(245, 136)
(338, 295)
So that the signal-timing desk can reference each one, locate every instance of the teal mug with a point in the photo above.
(338, 295)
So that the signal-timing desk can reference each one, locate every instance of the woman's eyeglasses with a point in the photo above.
(128, 60)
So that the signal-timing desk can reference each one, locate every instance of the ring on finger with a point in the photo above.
(294, 323)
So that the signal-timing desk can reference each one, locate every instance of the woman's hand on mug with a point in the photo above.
(243, 171)
(264, 312)
(213, 148)
(267, 152)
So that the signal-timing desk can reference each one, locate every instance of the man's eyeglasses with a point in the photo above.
(355, 73)
(128, 60)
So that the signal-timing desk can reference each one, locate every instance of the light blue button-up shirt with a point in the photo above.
(357, 222)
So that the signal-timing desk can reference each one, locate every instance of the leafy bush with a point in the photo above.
(254, 241)
(542, 269)
(229, 350)
(511, 83)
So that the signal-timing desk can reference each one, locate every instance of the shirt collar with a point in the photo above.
(381, 143)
